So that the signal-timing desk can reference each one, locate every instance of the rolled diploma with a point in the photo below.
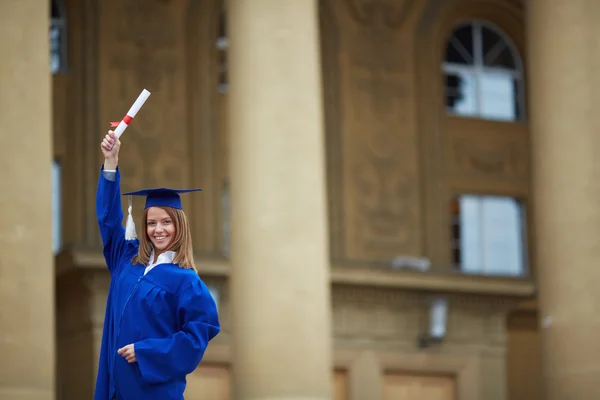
(132, 111)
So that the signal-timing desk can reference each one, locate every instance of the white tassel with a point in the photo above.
(130, 225)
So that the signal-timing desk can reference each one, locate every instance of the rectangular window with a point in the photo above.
(56, 208)
(489, 235)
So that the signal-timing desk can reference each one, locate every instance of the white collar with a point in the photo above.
(164, 258)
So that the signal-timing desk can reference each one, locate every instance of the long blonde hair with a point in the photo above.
(182, 244)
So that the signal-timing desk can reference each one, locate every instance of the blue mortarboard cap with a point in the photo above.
(162, 197)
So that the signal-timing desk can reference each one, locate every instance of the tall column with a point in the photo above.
(26, 261)
(564, 77)
(280, 280)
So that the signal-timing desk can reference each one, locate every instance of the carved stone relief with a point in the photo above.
(493, 158)
(143, 46)
(390, 13)
(379, 169)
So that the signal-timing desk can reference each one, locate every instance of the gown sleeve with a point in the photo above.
(110, 216)
(179, 354)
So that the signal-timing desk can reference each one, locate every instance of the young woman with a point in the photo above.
(159, 316)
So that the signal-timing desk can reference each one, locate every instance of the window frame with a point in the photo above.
(59, 22)
(478, 68)
(524, 235)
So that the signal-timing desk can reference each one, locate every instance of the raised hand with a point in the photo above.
(110, 148)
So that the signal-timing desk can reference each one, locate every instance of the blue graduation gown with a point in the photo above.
(168, 314)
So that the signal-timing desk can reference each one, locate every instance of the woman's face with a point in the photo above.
(160, 229)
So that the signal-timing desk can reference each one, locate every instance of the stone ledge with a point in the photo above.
(89, 259)
(346, 275)
(430, 281)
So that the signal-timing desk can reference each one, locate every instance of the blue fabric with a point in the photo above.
(168, 314)
(162, 197)
(118, 397)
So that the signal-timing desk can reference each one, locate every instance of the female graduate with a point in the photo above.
(159, 316)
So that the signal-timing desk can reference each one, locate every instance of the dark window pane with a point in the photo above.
(461, 94)
(519, 107)
(459, 49)
(455, 232)
(54, 9)
(452, 55)
(496, 50)
(504, 59)
(489, 39)
(464, 36)
(223, 24)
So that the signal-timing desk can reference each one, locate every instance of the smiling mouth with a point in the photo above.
(159, 238)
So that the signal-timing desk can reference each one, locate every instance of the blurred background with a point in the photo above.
(419, 176)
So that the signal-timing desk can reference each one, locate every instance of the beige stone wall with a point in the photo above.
(524, 359)
(376, 334)
(81, 302)
(27, 351)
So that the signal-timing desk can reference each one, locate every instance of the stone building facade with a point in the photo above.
(400, 197)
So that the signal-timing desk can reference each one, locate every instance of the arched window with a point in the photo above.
(484, 74)
(58, 37)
